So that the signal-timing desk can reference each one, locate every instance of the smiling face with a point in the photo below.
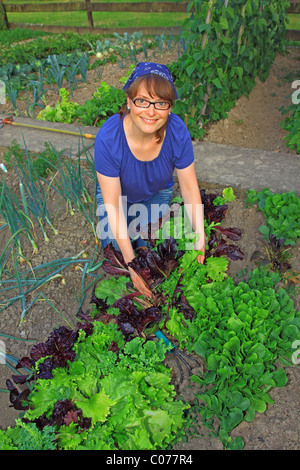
(147, 120)
(150, 120)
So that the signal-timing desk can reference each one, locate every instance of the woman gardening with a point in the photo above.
(136, 152)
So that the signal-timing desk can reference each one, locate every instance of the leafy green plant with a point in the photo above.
(40, 48)
(101, 386)
(27, 436)
(291, 123)
(227, 196)
(282, 212)
(42, 163)
(226, 51)
(64, 111)
(241, 331)
(105, 102)
(108, 396)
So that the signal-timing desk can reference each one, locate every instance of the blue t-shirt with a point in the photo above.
(141, 180)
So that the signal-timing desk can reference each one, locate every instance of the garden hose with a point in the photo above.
(32, 126)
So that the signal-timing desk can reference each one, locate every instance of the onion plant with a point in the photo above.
(69, 182)
(33, 279)
(12, 94)
(37, 91)
(33, 190)
(56, 71)
(16, 216)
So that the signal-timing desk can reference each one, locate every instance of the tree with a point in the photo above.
(3, 17)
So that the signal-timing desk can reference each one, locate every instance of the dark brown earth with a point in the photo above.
(253, 123)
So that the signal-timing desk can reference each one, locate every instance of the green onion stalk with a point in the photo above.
(43, 274)
(69, 183)
(16, 219)
(33, 193)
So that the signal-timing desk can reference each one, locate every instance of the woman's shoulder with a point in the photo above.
(110, 128)
(177, 128)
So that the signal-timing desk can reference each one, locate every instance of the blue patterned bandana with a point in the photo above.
(145, 68)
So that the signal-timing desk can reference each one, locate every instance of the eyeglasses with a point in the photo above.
(160, 105)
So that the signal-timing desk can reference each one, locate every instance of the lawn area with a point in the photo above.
(294, 22)
(101, 19)
(111, 19)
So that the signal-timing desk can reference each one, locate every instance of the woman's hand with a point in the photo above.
(139, 284)
(201, 256)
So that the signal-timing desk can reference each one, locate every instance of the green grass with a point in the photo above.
(294, 21)
(100, 1)
(14, 35)
(105, 19)
(111, 19)
(101, 19)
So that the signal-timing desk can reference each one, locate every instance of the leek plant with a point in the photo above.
(36, 87)
(36, 277)
(70, 183)
(56, 71)
(71, 73)
(16, 217)
(32, 188)
(12, 95)
(83, 66)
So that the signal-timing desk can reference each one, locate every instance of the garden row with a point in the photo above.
(45, 64)
(241, 330)
(243, 39)
(24, 211)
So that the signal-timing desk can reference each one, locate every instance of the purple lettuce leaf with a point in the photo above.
(114, 263)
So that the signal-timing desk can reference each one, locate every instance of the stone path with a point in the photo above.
(217, 164)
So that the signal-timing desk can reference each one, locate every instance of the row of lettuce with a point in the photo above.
(105, 385)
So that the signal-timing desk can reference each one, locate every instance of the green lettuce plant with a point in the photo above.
(282, 212)
(111, 396)
(291, 123)
(63, 111)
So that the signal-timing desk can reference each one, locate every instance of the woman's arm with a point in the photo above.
(112, 198)
(192, 201)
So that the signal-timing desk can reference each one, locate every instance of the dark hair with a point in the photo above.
(156, 86)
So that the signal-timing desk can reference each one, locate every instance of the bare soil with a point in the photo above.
(253, 123)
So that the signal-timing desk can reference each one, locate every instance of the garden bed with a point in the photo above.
(254, 121)
(274, 429)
